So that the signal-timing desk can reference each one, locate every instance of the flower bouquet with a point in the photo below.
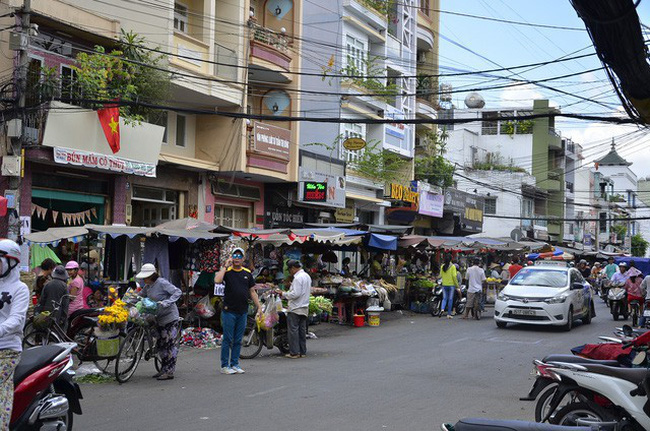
(109, 323)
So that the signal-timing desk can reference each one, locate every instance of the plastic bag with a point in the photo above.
(131, 296)
(149, 306)
(204, 308)
(270, 313)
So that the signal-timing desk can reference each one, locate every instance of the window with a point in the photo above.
(490, 206)
(69, 84)
(602, 222)
(181, 22)
(424, 7)
(180, 130)
(353, 131)
(490, 123)
(356, 55)
(235, 217)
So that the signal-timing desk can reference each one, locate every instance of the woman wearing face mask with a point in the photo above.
(14, 300)
(165, 294)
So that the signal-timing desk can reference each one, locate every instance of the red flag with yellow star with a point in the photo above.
(109, 118)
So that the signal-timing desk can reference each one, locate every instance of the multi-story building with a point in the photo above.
(532, 146)
(643, 209)
(369, 73)
(572, 163)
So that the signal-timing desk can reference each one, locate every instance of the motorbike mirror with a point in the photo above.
(628, 331)
(639, 359)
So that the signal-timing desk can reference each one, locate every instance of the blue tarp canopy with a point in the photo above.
(383, 242)
(640, 263)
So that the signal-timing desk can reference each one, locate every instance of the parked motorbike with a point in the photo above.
(460, 300)
(45, 397)
(476, 424)
(254, 338)
(617, 298)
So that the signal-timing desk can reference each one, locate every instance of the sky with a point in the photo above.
(474, 44)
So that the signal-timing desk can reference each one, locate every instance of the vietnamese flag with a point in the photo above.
(109, 118)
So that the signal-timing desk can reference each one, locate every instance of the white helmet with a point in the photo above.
(10, 251)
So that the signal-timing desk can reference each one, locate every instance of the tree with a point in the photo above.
(639, 245)
(379, 165)
(432, 166)
(131, 73)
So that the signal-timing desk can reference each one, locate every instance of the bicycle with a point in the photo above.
(47, 330)
(132, 348)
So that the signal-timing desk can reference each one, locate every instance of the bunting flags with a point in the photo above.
(68, 219)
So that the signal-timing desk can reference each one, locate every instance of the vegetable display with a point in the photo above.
(320, 304)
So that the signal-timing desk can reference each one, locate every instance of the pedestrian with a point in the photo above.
(449, 276)
(475, 277)
(298, 305)
(165, 294)
(14, 301)
(54, 293)
(75, 288)
(46, 267)
(610, 268)
(239, 288)
(514, 267)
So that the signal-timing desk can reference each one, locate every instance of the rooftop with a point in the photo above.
(612, 158)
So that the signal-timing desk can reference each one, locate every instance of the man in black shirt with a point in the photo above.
(239, 288)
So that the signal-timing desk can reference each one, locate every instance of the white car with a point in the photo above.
(545, 295)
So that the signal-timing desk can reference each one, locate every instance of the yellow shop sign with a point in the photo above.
(401, 193)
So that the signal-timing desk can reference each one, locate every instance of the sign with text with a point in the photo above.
(397, 130)
(315, 191)
(69, 156)
(284, 217)
(335, 192)
(405, 194)
(354, 144)
(431, 204)
(344, 215)
(272, 140)
(468, 207)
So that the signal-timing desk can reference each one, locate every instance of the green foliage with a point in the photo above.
(639, 245)
(387, 91)
(384, 7)
(519, 127)
(432, 166)
(126, 74)
(379, 165)
(489, 166)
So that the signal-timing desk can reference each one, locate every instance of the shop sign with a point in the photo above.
(397, 130)
(335, 195)
(315, 191)
(68, 156)
(431, 204)
(354, 144)
(284, 217)
(468, 207)
(405, 194)
(344, 215)
(272, 140)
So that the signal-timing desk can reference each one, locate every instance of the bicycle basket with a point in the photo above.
(42, 320)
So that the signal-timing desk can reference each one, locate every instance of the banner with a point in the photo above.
(431, 204)
(103, 161)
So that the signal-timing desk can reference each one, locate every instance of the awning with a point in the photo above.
(117, 231)
(190, 235)
(201, 165)
(54, 235)
(383, 242)
(187, 223)
(363, 198)
(385, 228)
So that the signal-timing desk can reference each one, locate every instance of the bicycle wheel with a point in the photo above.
(129, 355)
(40, 338)
(251, 344)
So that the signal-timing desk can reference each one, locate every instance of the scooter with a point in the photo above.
(617, 298)
(605, 285)
(476, 424)
(45, 397)
(460, 300)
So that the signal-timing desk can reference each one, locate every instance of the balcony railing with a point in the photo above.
(426, 89)
(270, 37)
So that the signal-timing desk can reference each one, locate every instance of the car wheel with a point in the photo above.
(501, 324)
(587, 317)
(569, 321)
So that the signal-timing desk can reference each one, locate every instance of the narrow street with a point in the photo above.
(413, 372)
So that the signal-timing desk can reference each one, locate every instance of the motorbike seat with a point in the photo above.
(479, 424)
(33, 359)
(572, 359)
(82, 312)
(632, 375)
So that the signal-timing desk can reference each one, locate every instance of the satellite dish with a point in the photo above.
(474, 101)
(516, 234)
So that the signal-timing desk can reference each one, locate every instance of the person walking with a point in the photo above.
(14, 301)
(165, 294)
(55, 292)
(239, 288)
(298, 296)
(449, 276)
(475, 278)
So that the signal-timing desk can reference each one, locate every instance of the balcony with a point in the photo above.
(270, 54)
(554, 140)
(554, 180)
(190, 54)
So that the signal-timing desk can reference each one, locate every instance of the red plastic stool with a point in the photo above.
(338, 313)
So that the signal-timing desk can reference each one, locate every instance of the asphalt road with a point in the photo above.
(411, 373)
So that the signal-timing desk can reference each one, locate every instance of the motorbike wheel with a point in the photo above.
(569, 414)
(40, 338)
(460, 308)
(251, 344)
(435, 307)
(615, 315)
(544, 399)
(283, 345)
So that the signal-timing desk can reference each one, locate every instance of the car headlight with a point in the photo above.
(558, 299)
(503, 297)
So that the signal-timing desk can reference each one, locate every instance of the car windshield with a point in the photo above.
(546, 278)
